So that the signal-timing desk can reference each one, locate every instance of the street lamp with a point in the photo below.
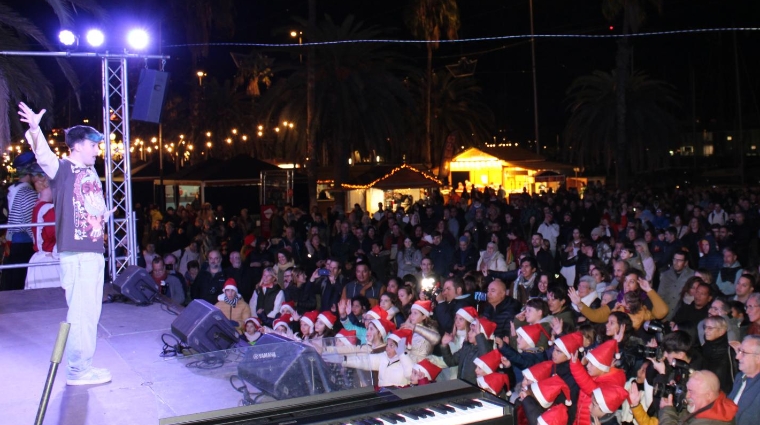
(200, 75)
(298, 34)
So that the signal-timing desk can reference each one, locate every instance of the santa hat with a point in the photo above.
(604, 355)
(229, 284)
(384, 327)
(610, 397)
(349, 337)
(547, 390)
(532, 333)
(489, 362)
(540, 371)
(327, 318)
(249, 240)
(402, 335)
(377, 312)
(556, 415)
(569, 344)
(487, 327)
(427, 368)
(468, 313)
(494, 383)
(255, 320)
(310, 317)
(424, 307)
(288, 307)
(282, 320)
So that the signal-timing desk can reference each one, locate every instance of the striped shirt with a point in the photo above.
(21, 200)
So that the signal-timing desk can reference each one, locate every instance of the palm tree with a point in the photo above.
(459, 115)
(429, 20)
(360, 104)
(20, 77)
(593, 124)
(634, 14)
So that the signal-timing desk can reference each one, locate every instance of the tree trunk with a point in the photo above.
(427, 150)
(311, 140)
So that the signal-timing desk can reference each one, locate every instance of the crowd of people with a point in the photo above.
(611, 307)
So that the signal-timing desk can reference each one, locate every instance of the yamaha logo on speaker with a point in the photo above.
(269, 355)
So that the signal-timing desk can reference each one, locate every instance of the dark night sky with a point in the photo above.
(504, 67)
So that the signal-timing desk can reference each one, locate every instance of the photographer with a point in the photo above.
(671, 367)
(706, 403)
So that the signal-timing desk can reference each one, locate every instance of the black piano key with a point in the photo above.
(391, 419)
(449, 408)
(459, 404)
(427, 413)
(375, 421)
(439, 409)
(410, 414)
(398, 418)
(476, 403)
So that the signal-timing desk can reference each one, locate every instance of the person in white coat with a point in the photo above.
(394, 367)
(550, 231)
(492, 259)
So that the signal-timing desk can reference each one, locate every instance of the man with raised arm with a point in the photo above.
(80, 216)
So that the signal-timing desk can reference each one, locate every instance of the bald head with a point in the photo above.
(497, 292)
(702, 389)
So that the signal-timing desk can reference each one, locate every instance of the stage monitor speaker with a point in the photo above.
(149, 99)
(284, 368)
(204, 328)
(136, 284)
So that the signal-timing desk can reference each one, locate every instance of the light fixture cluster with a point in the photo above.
(137, 38)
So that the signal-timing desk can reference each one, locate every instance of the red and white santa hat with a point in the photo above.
(610, 397)
(256, 322)
(494, 383)
(547, 390)
(555, 415)
(327, 318)
(569, 344)
(383, 326)
(348, 337)
(532, 333)
(604, 355)
(400, 335)
(310, 317)
(468, 313)
(288, 307)
(427, 368)
(377, 312)
(283, 320)
(487, 327)
(424, 307)
(229, 284)
(540, 371)
(489, 362)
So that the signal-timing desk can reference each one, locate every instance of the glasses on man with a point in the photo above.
(741, 351)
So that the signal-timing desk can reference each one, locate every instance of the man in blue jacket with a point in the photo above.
(746, 391)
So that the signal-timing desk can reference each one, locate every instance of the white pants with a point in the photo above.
(43, 276)
(82, 279)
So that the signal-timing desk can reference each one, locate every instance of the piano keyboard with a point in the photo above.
(462, 411)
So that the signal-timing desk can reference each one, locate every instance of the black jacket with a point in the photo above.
(465, 356)
(502, 315)
(445, 311)
(720, 359)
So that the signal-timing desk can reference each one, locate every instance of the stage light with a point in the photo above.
(138, 39)
(95, 37)
(67, 38)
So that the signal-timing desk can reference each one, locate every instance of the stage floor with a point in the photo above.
(145, 388)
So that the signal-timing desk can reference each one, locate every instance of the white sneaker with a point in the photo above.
(91, 377)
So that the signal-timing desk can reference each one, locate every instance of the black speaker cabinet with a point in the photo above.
(136, 284)
(149, 99)
(284, 368)
(204, 328)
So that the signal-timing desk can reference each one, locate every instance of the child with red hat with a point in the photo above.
(528, 352)
(599, 371)
(282, 325)
(496, 384)
(232, 305)
(307, 322)
(424, 372)
(544, 394)
(478, 343)
(253, 330)
(394, 367)
(606, 399)
(425, 330)
(564, 348)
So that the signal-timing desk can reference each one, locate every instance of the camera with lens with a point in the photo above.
(430, 288)
(658, 328)
(675, 384)
(650, 352)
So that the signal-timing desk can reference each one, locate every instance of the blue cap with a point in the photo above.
(24, 160)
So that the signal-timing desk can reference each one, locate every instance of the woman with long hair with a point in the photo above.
(407, 296)
(390, 303)
(284, 262)
(424, 328)
(642, 249)
(408, 258)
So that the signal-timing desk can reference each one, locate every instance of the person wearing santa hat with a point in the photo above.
(543, 395)
(599, 371)
(424, 372)
(496, 383)
(564, 349)
(377, 332)
(606, 399)
(233, 306)
(282, 327)
(394, 367)
(555, 415)
(454, 341)
(253, 330)
(307, 323)
(527, 353)
(424, 328)
(479, 342)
